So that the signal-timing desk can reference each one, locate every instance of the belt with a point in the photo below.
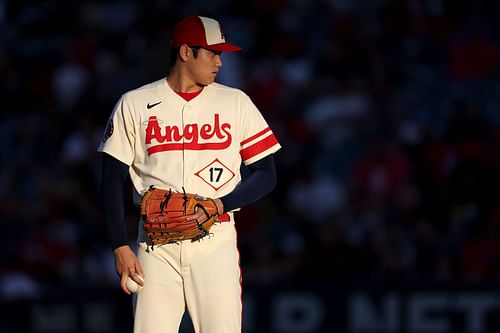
(223, 218)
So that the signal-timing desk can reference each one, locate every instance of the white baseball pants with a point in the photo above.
(203, 277)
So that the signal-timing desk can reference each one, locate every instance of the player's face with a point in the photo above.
(204, 68)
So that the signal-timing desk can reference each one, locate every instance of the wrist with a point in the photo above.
(220, 206)
(121, 249)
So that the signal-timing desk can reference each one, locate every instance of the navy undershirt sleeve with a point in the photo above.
(114, 175)
(258, 179)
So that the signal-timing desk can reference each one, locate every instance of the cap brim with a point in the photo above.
(223, 47)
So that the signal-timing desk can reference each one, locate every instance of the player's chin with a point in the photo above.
(207, 82)
(212, 77)
(207, 79)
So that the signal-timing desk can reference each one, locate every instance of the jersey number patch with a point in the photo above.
(216, 174)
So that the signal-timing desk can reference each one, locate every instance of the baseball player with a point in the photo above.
(186, 133)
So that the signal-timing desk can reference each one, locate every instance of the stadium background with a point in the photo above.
(386, 217)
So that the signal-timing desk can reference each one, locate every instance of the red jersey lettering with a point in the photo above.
(190, 138)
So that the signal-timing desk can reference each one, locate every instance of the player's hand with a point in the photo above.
(126, 264)
(200, 215)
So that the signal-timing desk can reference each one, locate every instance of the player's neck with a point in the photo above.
(182, 85)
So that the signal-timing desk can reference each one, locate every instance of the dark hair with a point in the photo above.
(195, 50)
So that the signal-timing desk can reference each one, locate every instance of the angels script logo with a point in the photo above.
(214, 136)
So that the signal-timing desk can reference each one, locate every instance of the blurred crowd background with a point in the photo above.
(388, 112)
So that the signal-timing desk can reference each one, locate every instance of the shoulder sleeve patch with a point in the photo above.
(109, 130)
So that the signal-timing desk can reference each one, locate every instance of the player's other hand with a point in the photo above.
(200, 215)
(126, 264)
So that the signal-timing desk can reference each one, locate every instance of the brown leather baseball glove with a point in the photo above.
(168, 216)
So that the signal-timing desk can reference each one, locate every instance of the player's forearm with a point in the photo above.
(260, 182)
(111, 194)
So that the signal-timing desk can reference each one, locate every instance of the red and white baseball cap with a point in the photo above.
(201, 31)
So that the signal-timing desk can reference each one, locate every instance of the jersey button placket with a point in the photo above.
(186, 119)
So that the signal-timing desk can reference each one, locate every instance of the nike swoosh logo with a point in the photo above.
(149, 106)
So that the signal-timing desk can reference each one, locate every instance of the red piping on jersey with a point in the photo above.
(241, 279)
(258, 147)
(253, 137)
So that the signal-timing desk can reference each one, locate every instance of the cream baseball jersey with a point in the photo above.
(197, 145)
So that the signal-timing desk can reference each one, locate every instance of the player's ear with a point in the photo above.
(184, 51)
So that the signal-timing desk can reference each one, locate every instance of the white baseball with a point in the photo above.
(133, 286)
